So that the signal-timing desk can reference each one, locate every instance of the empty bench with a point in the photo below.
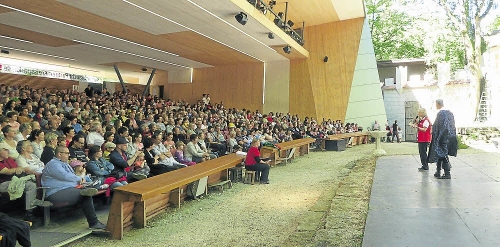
(134, 203)
(287, 150)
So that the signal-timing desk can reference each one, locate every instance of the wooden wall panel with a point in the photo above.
(277, 86)
(131, 88)
(36, 82)
(239, 86)
(325, 87)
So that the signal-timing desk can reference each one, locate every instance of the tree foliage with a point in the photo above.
(392, 32)
(496, 24)
(449, 31)
(467, 17)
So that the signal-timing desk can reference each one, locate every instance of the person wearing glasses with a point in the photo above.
(76, 151)
(64, 187)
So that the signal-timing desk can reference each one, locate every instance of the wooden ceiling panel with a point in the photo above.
(4, 10)
(191, 44)
(35, 37)
(293, 55)
(187, 44)
(131, 67)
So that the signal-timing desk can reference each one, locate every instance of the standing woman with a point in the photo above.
(254, 163)
(423, 137)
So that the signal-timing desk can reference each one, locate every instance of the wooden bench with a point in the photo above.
(134, 203)
(357, 138)
(301, 148)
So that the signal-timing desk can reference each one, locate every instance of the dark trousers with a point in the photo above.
(422, 150)
(395, 135)
(443, 163)
(14, 230)
(262, 168)
(72, 197)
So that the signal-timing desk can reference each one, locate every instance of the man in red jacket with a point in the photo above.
(423, 126)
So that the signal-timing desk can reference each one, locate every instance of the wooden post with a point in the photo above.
(175, 197)
(140, 214)
(115, 218)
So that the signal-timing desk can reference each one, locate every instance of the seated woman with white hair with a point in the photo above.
(27, 158)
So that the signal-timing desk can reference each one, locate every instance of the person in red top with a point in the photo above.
(253, 162)
(423, 126)
(8, 169)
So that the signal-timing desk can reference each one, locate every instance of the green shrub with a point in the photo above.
(461, 144)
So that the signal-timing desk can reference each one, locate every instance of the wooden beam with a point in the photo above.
(298, 50)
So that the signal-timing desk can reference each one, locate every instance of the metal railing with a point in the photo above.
(280, 19)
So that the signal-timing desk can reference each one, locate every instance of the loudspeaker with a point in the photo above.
(242, 18)
(325, 59)
(335, 145)
(287, 49)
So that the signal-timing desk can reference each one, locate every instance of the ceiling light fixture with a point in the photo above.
(37, 53)
(231, 25)
(241, 18)
(287, 49)
(192, 30)
(88, 30)
(129, 53)
(270, 35)
(16, 39)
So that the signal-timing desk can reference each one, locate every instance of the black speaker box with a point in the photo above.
(335, 145)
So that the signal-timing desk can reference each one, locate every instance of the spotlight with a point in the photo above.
(272, 3)
(4, 51)
(280, 15)
(325, 59)
(242, 18)
(290, 23)
(287, 49)
(263, 8)
(144, 69)
(278, 22)
(270, 35)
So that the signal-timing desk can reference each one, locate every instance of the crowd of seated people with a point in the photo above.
(122, 137)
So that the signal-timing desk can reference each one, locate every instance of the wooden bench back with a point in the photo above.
(163, 183)
(295, 143)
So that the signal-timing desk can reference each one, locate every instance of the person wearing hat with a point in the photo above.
(64, 187)
(253, 162)
(123, 163)
(108, 148)
(81, 171)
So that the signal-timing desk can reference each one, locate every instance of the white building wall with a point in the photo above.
(456, 98)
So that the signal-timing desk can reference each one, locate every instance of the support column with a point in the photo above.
(120, 78)
(149, 82)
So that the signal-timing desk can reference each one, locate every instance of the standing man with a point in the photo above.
(444, 141)
(395, 131)
(423, 127)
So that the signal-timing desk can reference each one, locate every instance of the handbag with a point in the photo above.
(117, 174)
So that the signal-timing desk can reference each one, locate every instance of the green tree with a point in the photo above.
(496, 24)
(467, 17)
(393, 31)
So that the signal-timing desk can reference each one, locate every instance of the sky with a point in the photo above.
(428, 6)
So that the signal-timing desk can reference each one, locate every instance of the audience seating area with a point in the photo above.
(133, 204)
(82, 120)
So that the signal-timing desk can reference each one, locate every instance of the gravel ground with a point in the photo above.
(304, 204)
